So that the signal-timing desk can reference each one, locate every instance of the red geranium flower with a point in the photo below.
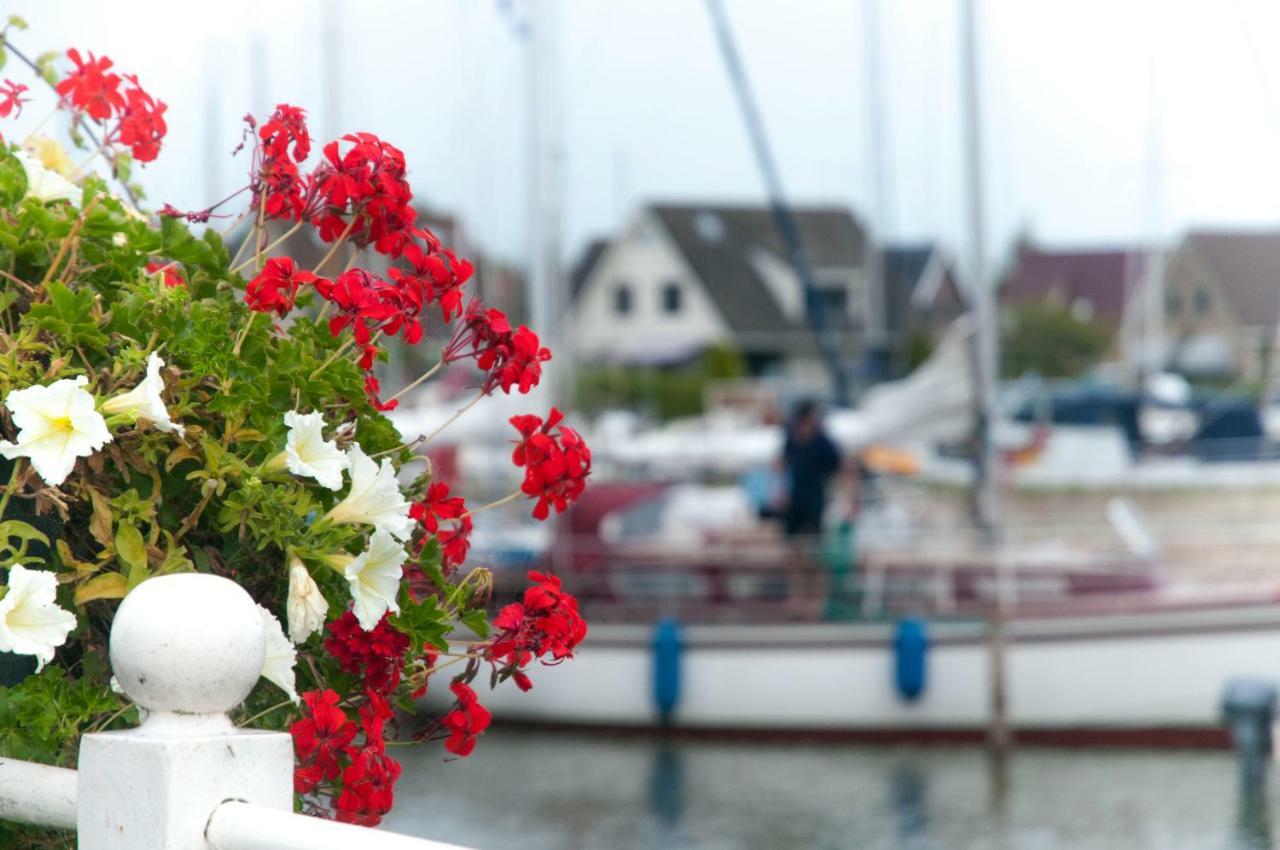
(319, 739)
(375, 655)
(437, 505)
(466, 722)
(142, 124)
(556, 460)
(11, 98)
(91, 87)
(275, 288)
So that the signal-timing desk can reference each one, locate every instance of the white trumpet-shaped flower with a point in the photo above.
(45, 184)
(31, 621)
(374, 576)
(280, 656)
(56, 424)
(144, 401)
(306, 607)
(307, 453)
(374, 498)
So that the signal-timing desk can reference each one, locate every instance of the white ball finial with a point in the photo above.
(187, 644)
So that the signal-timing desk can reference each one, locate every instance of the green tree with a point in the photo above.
(1051, 341)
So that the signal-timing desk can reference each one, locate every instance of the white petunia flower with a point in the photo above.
(56, 425)
(277, 663)
(31, 622)
(307, 453)
(44, 184)
(306, 607)
(144, 401)
(374, 497)
(374, 576)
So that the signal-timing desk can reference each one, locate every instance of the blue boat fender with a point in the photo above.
(668, 647)
(911, 657)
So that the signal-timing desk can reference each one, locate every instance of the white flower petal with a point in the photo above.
(307, 454)
(374, 577)
(31, 621)
(145, 402)
(57, 424)
(306, 607)
(280, 657)
(45, 184)
(374, 498)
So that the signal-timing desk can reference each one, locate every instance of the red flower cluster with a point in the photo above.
(367, 183)
(284, 143)
(437, 275)
(508, 358)
(275, 288)
(92, 88)
(322, 742)
(376, 655)
(555, 459)
(11, 98)
(466, 722)
(546, 623)
(172, 277)
(142, 125)
(439, 507)
(368, 783)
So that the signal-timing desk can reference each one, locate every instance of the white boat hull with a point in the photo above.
(1160, 670)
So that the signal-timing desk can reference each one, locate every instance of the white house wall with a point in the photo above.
(645, 259)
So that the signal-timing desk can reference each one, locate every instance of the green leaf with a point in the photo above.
(16, 530)
(13, 180)
(425, 624)
(17, 22)
(478, 621)
(131, 551)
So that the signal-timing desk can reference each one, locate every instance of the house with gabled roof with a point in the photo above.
(1222, 302)
(1095, 284)
(685, 277)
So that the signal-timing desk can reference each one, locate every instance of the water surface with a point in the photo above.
(557, 791)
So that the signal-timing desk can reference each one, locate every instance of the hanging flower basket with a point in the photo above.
(171, 404)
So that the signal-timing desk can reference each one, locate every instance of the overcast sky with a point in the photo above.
(1104, 120)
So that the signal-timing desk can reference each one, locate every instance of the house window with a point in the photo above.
(622, 299)
(1173, 304)
(835, 302)
(1202, 302)
(671, 298)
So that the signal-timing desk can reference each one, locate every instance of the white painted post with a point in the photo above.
(186, 648)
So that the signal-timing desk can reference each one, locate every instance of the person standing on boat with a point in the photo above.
(810, 458)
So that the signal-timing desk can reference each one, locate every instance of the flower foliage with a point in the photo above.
(168, 408)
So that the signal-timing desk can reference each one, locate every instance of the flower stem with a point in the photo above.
(426, 376)
(332, 357)
(452, 419)
(265, 712)
(333, 249)
(66, 242)
(505, 500)
(244, 332)
(275, 244)
(8, 489)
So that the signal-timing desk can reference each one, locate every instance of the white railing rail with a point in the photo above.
(187, 649)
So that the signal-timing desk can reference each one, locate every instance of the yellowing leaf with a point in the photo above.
(105, 586)
(131, 551)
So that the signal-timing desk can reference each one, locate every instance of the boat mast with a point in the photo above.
(986, 362)
(827, 340)
(545, 154)
(981, 288)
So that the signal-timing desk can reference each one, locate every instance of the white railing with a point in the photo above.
(187, 649)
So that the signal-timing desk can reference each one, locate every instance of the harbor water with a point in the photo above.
(537, 790)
